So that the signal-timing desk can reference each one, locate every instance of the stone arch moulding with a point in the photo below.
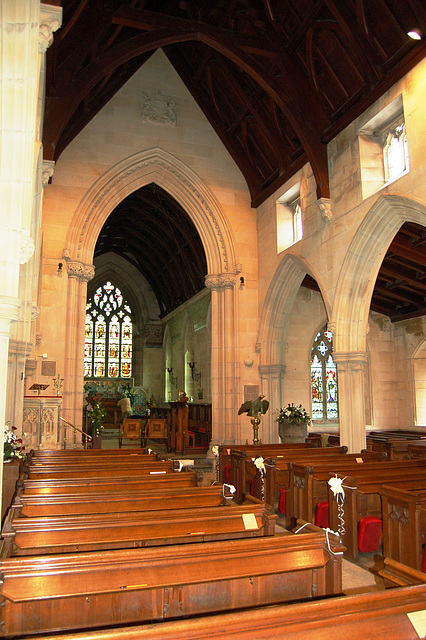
(158, 166)
(278, 304)
(361, 266)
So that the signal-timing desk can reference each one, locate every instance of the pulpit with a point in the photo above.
(179, 436)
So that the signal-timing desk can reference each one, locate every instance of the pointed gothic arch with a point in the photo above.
(274, 321)
(361, 266)
(162, 168)
(158, 166)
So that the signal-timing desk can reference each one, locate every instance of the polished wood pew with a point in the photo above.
(90, 454)
(276, 474)
(71, 504)
(397, 574)
(149, 483)
(101, 531)
(58, 461)
(243, 470)
(44, 594)
(309, 484)
(404, 522)
(362, 496)
(267, 450)
(367, 616)
(107, 469)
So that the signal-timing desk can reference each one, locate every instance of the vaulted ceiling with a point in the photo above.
(277, 80)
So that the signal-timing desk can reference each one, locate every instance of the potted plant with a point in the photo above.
(293, 423)
(96, 414)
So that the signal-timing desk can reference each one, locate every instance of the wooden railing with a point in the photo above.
(86, 438)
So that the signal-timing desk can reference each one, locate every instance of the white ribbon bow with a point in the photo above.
(259, 464)
(215, 451)
(230, 487)
(337, 488)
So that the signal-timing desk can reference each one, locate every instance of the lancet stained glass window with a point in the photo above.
(323, 378)
(108, 338)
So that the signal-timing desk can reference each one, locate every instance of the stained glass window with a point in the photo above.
(323, 378)
(108, 335)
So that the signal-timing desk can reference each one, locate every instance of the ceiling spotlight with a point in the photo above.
(415, 33)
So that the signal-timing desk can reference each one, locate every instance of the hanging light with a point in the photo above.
(415, 33)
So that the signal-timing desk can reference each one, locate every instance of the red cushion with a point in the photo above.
(282, 501)
(227, 470)
(321, 516)
(251, 487)
(369, 534)
(424, 561)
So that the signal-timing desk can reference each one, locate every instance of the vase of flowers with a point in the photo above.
(292, 423)
(13, 447)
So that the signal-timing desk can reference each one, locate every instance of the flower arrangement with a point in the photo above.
(12, 445)
(293, 413)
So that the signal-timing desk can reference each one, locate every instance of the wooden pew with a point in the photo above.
(243, 468)
(101, 531)
(90, 454)
(149, 483)
(58, 461)
(362, 496)
(44, 594)
(276, 474)
(108, 469)
(309, 484)
(70, 504)
(396, 574)
(269, 450)
(404, 522)
(367, 616)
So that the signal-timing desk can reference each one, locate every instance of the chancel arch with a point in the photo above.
(171, 174)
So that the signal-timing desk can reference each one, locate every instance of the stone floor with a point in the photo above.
(361, 577)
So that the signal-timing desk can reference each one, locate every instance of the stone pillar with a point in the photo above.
(225, 428)
(79, 275)
(271, 376)
(351, 381)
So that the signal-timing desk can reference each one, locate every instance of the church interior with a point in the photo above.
(213, 313)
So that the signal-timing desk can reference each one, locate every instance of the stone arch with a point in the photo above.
(158, 166)
(361, 266)
(273, 327)
(419, 378)
(277, 306)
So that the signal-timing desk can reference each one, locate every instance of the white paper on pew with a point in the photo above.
(359, 460)
(418, 620)
(249, 520)
(186, 463)
(155, 473)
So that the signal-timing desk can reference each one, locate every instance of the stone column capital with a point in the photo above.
(50, 21)
(350, 359)
(79, 270)
(272, 370)
(220, 281)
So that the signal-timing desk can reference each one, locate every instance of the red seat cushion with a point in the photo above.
(369, 534)
(321, 516)
(282, 501)
(251, 487)
(227, 470)
(424, 561)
